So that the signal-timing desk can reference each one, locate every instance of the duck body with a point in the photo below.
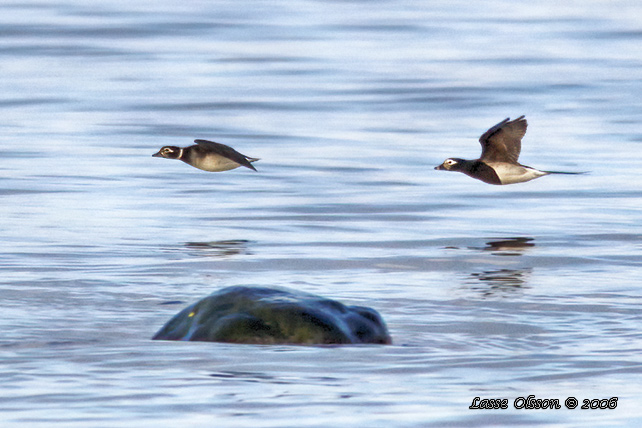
(501, 146)
(208, 156)
(494, 172)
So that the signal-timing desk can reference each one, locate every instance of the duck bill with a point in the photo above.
(440, 167)
(157, 155)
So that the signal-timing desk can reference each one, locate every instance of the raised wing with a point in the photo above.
(503, 142)
(225, 151)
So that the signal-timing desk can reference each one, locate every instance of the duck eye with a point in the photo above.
(450, 162)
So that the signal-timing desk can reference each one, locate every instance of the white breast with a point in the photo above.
(511, 174)
(215, 163)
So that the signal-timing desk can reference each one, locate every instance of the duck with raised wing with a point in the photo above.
(498, 164)
(208, 156)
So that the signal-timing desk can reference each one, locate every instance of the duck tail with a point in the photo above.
(566, 172)
(249, 162)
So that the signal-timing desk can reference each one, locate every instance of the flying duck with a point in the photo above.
(208, 156)
(498, 164)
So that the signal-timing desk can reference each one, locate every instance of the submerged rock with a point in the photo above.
(263, 315)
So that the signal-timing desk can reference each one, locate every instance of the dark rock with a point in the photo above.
(263, 315)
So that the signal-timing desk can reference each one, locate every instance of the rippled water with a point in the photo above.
(491, 292)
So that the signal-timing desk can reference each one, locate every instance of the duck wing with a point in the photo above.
(503, 142)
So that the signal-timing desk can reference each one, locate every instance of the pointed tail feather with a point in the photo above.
(249, 162)
(566, 172)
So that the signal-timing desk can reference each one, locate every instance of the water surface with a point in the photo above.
(497, 292)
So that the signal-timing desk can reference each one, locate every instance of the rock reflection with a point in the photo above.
(220, 248)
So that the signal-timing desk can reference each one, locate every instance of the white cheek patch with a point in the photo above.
(449, 163)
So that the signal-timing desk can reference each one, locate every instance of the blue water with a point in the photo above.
(491, 292)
